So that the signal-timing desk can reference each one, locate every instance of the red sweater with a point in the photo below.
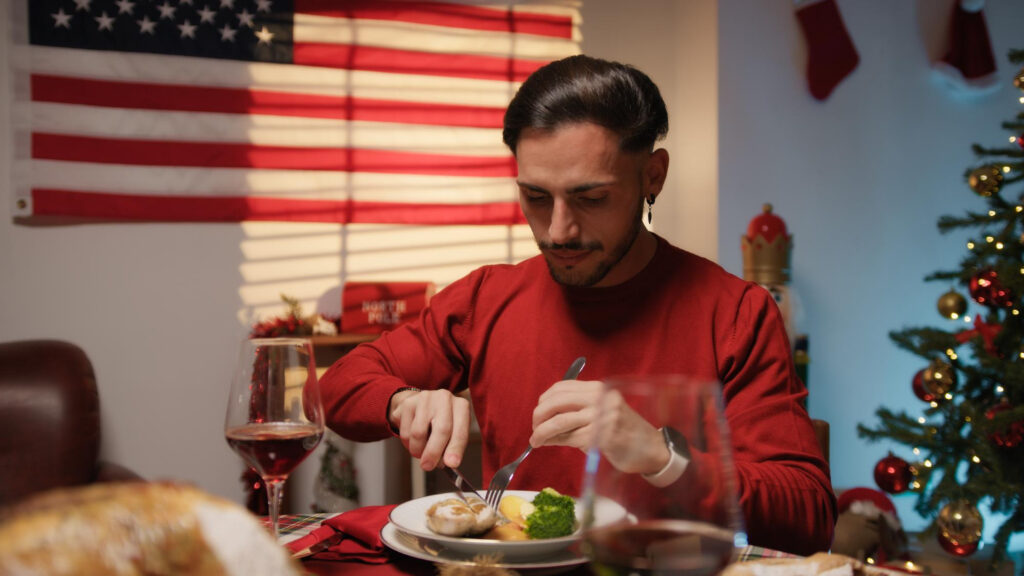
(509, 331)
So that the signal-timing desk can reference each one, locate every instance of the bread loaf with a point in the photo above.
(137, 528)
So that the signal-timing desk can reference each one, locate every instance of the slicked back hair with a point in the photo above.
(581, 88)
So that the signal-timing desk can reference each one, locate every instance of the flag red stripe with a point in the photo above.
(235, 155)
(180, 97)
(350, 57)
(442, 14)
(73, 203)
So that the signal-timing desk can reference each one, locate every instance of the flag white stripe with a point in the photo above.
(293, 184)
(426, 38)
(263, 130)
(161, 69)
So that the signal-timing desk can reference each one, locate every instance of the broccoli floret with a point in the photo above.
(554, 515)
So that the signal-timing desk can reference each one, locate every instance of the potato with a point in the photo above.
(515, 509)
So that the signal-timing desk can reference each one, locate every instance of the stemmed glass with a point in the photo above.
(692, 526)
(275, 417)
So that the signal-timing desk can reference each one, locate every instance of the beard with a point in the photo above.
(574, 277)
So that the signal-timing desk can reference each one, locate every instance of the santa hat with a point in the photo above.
(871, 503)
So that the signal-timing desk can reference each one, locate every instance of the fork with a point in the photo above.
(501, 478)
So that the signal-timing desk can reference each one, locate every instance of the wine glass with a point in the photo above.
(274, 417)
(693, 525)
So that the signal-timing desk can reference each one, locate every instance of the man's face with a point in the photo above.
(583, 199)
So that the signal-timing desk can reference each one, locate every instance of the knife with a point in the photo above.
(460, 483)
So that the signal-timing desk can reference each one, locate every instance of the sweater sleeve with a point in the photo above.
(425, 353)
(784, 482)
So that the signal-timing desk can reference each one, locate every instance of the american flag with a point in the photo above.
(347, 111)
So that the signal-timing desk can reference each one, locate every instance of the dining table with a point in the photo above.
(299, 533)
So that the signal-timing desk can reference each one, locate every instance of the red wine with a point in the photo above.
(659, 547)
(274, 449)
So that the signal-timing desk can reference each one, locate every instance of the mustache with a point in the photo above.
(570, 246)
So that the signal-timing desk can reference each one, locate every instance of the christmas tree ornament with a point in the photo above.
(831, 54)
(952, 304)
(984, 329)
(1018, 80)
(968, 67)
(986, 180)
(919, 389)
(959, 524)
(986, 289)
(1012, 435)
(938, 378)
(893, 474)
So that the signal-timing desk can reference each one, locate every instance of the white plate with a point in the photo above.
(411, 518)
(432, 551)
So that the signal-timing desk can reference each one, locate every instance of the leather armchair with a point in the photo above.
(49, 420)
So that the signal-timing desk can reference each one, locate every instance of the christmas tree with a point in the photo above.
(966, 447)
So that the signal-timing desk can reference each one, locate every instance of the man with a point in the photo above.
(583, 132)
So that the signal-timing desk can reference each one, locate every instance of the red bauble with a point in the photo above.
(893, 474)
(1012, 435)
(919, 389)
(986, 289)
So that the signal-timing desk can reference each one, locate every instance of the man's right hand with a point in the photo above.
(433, 425)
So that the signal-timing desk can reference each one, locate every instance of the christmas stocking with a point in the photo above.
(968, 67)
(831, 54)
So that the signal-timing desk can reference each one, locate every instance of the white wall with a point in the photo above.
(861, 179)
(159, 308)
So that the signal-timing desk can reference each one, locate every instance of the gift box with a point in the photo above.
(373, 307)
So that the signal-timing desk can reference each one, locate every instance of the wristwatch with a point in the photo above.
(679, 458)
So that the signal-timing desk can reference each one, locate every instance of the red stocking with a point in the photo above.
(969, 66)
(831, 54)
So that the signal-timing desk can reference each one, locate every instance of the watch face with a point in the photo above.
(676, 441)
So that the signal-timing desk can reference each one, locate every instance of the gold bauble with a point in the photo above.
(985, 181)
(952, 305)
(960, 525)
(1018, 80)
(938, 378)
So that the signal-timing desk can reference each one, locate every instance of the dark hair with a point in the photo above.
(586, 89)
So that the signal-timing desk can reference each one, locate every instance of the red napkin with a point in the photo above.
(352, 536)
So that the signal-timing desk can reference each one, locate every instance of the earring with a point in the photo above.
(650, 202)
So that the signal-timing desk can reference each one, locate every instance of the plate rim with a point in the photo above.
(401, 548)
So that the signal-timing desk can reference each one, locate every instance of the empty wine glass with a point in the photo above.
(275, 417)
(692, 525)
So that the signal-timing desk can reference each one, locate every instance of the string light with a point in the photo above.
(989, 239)
(1006, 169)
(916, 451)
(999, 245)
(967, 319)
(934, 404)
(921, 420)
(975, 459)
(999, 387)
(991, 213)
(948, 396)
(1018, 208)
(1015, 312)
(970, 245)
(927, 463)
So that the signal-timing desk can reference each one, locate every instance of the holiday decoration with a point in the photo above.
(1009, 436)
(879, 540)
(986, 331)
(294, 323)
(959, 525)
(986, 289)
(893, 474)
(985, 181)
(1018, 80)
(952, 305)
(831, 53)
(767, 248)
(969, 67)
(968, 442)
(919, 389)
(938, 378)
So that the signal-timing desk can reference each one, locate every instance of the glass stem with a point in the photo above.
(275, 493)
